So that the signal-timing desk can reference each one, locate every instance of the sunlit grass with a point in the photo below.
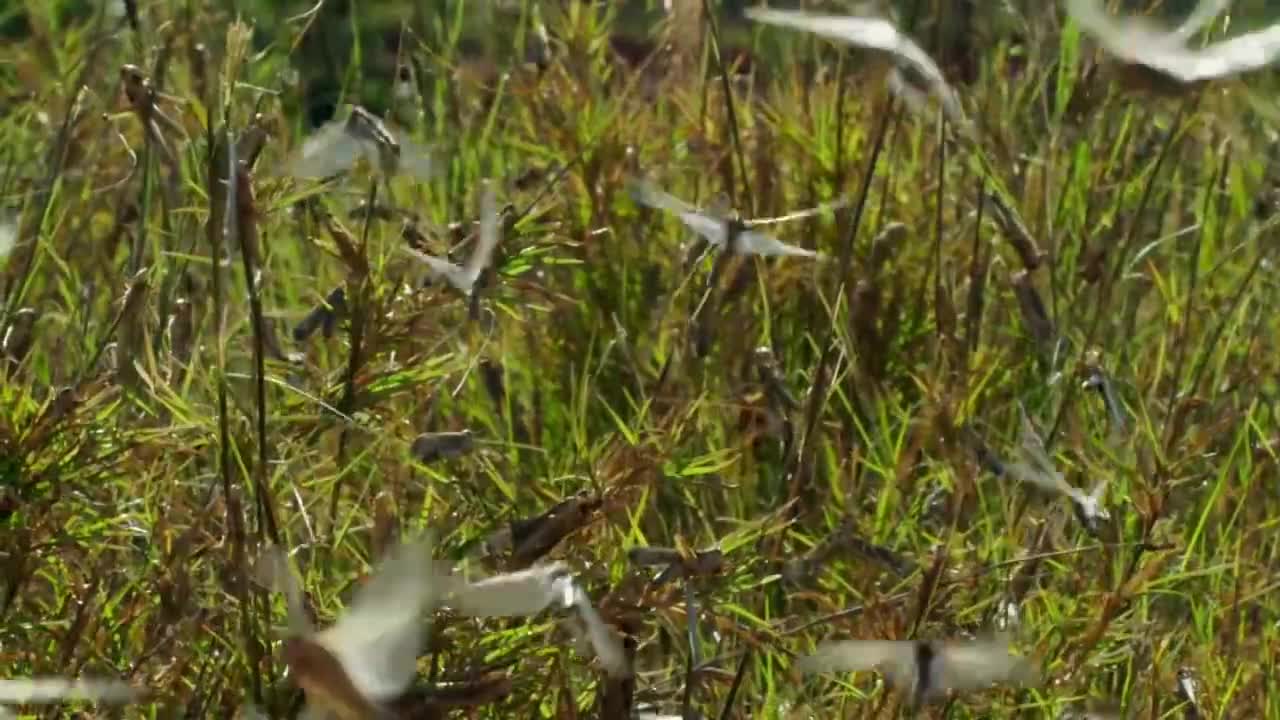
(578, 368)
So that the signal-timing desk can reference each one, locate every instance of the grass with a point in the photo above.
(151, 442)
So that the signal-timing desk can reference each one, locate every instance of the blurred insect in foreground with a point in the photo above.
(369, 656)
(464, 278)
(1140, 45)
(926, 669)
(728, 234)
(912, 64)
(1035, 467)
(337, 146)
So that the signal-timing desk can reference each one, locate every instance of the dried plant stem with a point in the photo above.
(358, 307)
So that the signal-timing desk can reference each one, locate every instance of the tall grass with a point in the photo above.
(149, 449)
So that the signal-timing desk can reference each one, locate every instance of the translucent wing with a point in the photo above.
(751, 242)
(1031, 445)
(646, 194)
(864, 31)
(527, 592)
(1250, 51)
(1138, 41)
(870, 32)
(1204, 13)
(415, 160)
(979, 664)
(911, 96)
(45, 690)
(8, 238)
(1091, 505)
(274, 571)
(330, 150)
(713, 229)
(895, 658)
(799, 214)
(1049, 481)
(708, 227)
(379, 638)
(439, 266)
(490, 234)
(613, 657)
(1125, 38)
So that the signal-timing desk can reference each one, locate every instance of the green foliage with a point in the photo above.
(155, 432)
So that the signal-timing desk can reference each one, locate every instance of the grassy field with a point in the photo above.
(160, 424)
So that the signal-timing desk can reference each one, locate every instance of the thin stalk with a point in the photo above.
(357, 301)
(235, 523)
(817, 397)
(1193, 271)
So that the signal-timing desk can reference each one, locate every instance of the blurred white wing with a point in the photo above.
(713, 229)
(44, 690)
(8, 238)
(1049, 481)
(1031, 446)
(871, 32)
(751, 242)
(379, 638)
(1138, 41)
(329, 150)
(1250, 51)
(646, 194)
(1123, 37)
(875, 33)
(1091, 504)
(895, 658)
(275, 572)
(979, 664)
(442, 267)
(708, 227)
(526, 592)
(1204, 13)
(607, 646)
(415, 160)
(490, 234)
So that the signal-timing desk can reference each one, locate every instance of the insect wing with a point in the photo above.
(379, 638)
(330, 150)
(526, 592)
(895, 658)
(751, 242)
(438, 265)
(979, 664)
(44, 690)
(613, 657)
(490, 235)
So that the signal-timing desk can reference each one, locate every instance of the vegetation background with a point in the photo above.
(158, 424)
